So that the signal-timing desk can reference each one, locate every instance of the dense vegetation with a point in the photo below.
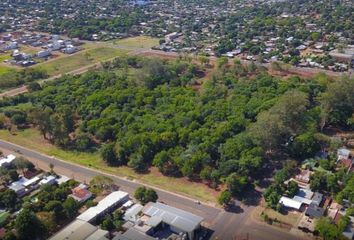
(144, 112)
(17, 78)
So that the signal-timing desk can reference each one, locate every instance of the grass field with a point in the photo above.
(31, 139)
(81, 59)
(3, 217)
(4, 69)
(137, 42)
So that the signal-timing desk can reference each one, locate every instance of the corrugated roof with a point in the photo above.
(103, 205)
(178, 218)
(290, 203)
(79, 230)
(132, 212)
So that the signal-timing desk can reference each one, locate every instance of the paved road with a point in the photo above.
(224, 225)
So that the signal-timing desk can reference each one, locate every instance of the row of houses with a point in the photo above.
(314, 205)
(45, 45)
(151, 222)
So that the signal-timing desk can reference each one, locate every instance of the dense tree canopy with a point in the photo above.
(151, 115)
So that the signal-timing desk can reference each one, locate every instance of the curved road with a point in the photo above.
(224, 225)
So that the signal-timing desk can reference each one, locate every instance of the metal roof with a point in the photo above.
(79, 230)
(302, 200)
(133, 234)
(103, 205)
(178, 218)
(131, 213)
(290, 203)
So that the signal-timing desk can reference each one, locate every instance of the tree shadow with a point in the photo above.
(252, 198)
(234, 209)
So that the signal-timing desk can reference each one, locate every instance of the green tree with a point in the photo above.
(328, 230)
(236, 184)
(108, 224)
(70, 207)
(224, 198)
(293, 188)
(108, 154)
(57, 208)
(8, 199)
(28, 226)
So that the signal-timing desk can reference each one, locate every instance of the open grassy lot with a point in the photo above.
(137, 42)
(290, 218)
(32, 139)
(4, 57)
(81, 59)
(4, 69)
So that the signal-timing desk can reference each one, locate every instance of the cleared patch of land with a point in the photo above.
(32, 139)
(69, 63)
(137, 42)
(290, 218)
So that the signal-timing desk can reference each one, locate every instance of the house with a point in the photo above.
(6, 162)
(303, 176)
(32, 183)
(18, 187)
(314, 211)
(131, 213)
(62, 179)
(105, 206)
(333, 210)
(81, 230)
(50, 180)
(317, 198)
(305, 193)
(69, 50)
(343, 153)
(290, 203)
(44, 53)
(80, 193)
(346, 163)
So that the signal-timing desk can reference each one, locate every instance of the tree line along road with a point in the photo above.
(223, 225)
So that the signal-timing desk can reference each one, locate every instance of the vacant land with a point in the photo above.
(290, 218)
(31, 139)
(137, 42)
(69, 63)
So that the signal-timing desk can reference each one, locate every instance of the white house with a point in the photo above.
(6, 162)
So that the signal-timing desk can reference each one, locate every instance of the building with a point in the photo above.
(317, 198)
(179, 221)
(50, 180)
(303, 176)
(18, 187)
(44, 54)
(343, 153)
(132, 212)
(6, 162)
(133, 234)
(314, 211)
(105, 206)
(80, 230)
(290, 203)
(81, 194)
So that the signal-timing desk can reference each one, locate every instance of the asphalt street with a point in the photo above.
(224, 225)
